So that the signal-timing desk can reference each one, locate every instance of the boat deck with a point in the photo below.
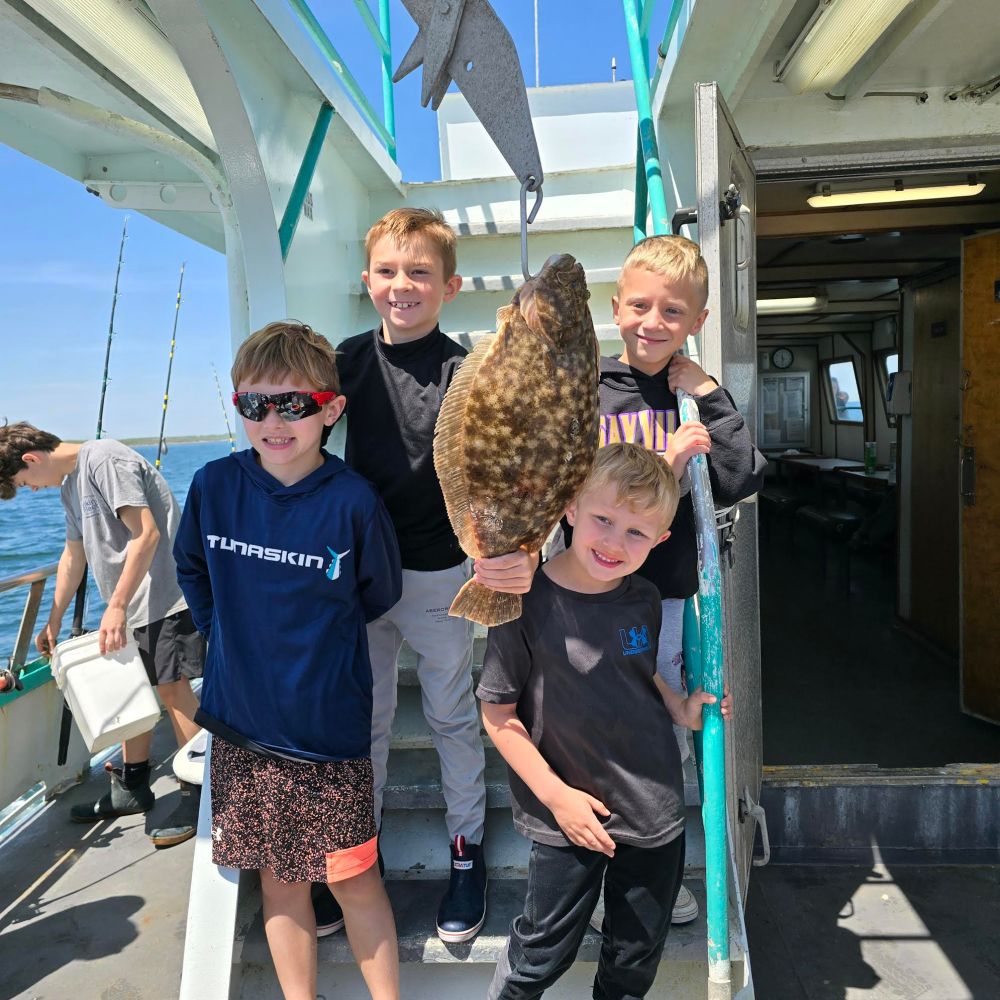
(95, 911)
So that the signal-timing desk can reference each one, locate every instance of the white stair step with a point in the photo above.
(415, 844)
(415, 908)
(414, 780)
(509, 283)
(477, 206)
(607, 335)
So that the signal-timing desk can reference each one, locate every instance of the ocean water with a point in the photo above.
(33, 530)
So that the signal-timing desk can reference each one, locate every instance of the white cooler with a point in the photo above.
(110, 696)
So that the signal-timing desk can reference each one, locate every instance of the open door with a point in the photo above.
(726, 232)
(980, 477)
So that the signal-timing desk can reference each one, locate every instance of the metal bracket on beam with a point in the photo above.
(154, 196)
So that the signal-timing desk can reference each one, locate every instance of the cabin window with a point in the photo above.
(886, 364)
(843, 396)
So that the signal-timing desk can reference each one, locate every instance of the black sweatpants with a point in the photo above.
(564, 883)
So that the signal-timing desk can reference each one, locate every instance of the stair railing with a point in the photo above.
(384, 127)
(703, 650)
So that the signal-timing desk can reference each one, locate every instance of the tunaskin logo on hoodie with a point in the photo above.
(286, 556)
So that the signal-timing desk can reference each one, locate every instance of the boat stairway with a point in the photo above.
(415, 848)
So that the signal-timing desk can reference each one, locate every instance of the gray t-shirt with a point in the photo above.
(580, 669)
(107, 477)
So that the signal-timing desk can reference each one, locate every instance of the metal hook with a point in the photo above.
(529, 184)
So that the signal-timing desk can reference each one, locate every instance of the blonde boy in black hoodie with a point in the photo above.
(661, 301)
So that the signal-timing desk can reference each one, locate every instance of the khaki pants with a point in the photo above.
(444, 667)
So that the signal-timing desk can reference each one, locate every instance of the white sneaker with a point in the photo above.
(685, 909)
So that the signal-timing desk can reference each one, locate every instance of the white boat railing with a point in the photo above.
(31, 718)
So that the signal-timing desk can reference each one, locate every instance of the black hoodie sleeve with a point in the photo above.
(736, 467)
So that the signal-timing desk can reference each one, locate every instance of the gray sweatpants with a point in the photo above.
(444, 667)
(670, 660)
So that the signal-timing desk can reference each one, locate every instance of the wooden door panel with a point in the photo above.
(980, 518)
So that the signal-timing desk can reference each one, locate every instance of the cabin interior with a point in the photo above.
(868, 578)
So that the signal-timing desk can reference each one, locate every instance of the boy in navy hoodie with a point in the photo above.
(284, 554)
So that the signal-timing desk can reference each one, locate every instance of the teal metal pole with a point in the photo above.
(668, 33)
(713, 808)
(388, 101)
(293, 210)
(641, 195)
(693, 675)
(323, 43)
(647, 134)
(374, 28)
(703, 649)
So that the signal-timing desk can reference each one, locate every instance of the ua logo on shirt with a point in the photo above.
(333, 570)
(635, 640)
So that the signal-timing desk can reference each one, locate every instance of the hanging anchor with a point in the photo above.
(465, 41)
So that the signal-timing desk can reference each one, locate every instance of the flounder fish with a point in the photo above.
(517, 432)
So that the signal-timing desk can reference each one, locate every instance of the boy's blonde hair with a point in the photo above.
(407, 225)
(641, 478)
(674, 257)
(287, 348)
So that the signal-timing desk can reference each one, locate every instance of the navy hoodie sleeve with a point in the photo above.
(192, 568)
(378, 573)
(736, 467)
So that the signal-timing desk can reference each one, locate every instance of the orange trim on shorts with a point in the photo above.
(341, 865)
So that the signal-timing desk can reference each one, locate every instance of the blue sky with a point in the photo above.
(59, 246)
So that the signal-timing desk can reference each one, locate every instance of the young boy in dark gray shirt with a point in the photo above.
(572, 700)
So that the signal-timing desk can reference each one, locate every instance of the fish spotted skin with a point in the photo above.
(518, 430)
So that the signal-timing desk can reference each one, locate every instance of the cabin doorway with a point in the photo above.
(879, 592)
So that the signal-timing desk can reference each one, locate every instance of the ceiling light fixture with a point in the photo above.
(827, 196)
(790, 305)
(833, 42)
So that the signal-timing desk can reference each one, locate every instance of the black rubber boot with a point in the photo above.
(182, 823)
(463, 909)
(120, 801)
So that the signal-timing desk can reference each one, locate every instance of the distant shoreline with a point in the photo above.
(171, 441)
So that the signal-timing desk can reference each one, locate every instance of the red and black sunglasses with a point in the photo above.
(292, 405)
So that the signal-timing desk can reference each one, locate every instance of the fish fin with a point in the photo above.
(449, 447)
(484, 606)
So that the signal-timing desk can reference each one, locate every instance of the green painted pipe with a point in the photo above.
(323, 43)
(293, 210)
(641, 195)
(374, 28)
(673, 19)
(693, 676)
(702, 621)
(713, 739)
(647, 134)
(388, 101)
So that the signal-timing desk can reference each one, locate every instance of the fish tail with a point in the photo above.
(485, 606)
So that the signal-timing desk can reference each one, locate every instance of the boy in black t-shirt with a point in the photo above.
(565, 689)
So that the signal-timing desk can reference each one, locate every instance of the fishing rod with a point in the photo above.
(225, 410)
(111, 329)
(170, 366)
